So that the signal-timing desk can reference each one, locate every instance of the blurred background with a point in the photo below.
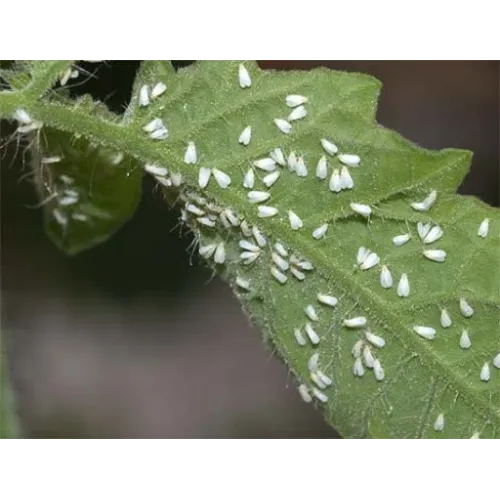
(136, 339)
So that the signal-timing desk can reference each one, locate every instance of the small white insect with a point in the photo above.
(49, 160)
(327, 300)
(298, 113)
(278, 275)
(385, 277)
(266, 164)
(231, 217)
(116, 159)
(245, 136)
(357, 349)
(302, 264)
(378, 371)
(361, 209)
(65, 77)
(155, 170)
(22, 116)
(362, 255)
(313, 362)
(164, 181)
(158, 90)
(206, 221)
(401, 239)
(496, 361)
(271, 178)
(224, 219)
(223, 179)
(304, 393)
(435, 255)
(66, 179)
(249, 179)
(426, 204)
(159, 134)
(207, 251)
(324, 378)
(320, 231)
(484, 228)
(299, 337)
(375, 340)
(403, 289)
(298, 274)
(335, 184)
(294, 100)
(433, 235)
(311, 313)
(301, 167)
(292, 161)
(465, 341)
(295, 221)
(195, 210)
(243, 283)
(321, 397)
(203, 177)
(322, 168)
(190, 156)
(313, 336)
(245, 229)
(427, 332)
(368, 357)
(280, 248)
(259, 237)
(144, 96)
(278, 156)
(346, 181)
(439, 423)
(79, 217)
(466, 309)
(264, 211)
(317, 380)
(371, 261)
(66, 201)
(329, 147)
(423, 229)
(176, 178)
(485, 372)
(71, 192)
(249, 257)
(153, 125)
(350, 160)
(445, 319)
(244, 77)
(358, 368)
(283, 125)
(258, 196)
(220, 253)
(248, 245)
(357, 322)
(280, 261)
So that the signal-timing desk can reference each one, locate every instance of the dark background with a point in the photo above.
(135, 339)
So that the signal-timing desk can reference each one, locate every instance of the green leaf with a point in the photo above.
(34, 77)
(423, 378)
(88, 191)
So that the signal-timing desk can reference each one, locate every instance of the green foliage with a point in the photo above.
(204, 103)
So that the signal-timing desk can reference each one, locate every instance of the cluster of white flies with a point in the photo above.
(254, 244)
